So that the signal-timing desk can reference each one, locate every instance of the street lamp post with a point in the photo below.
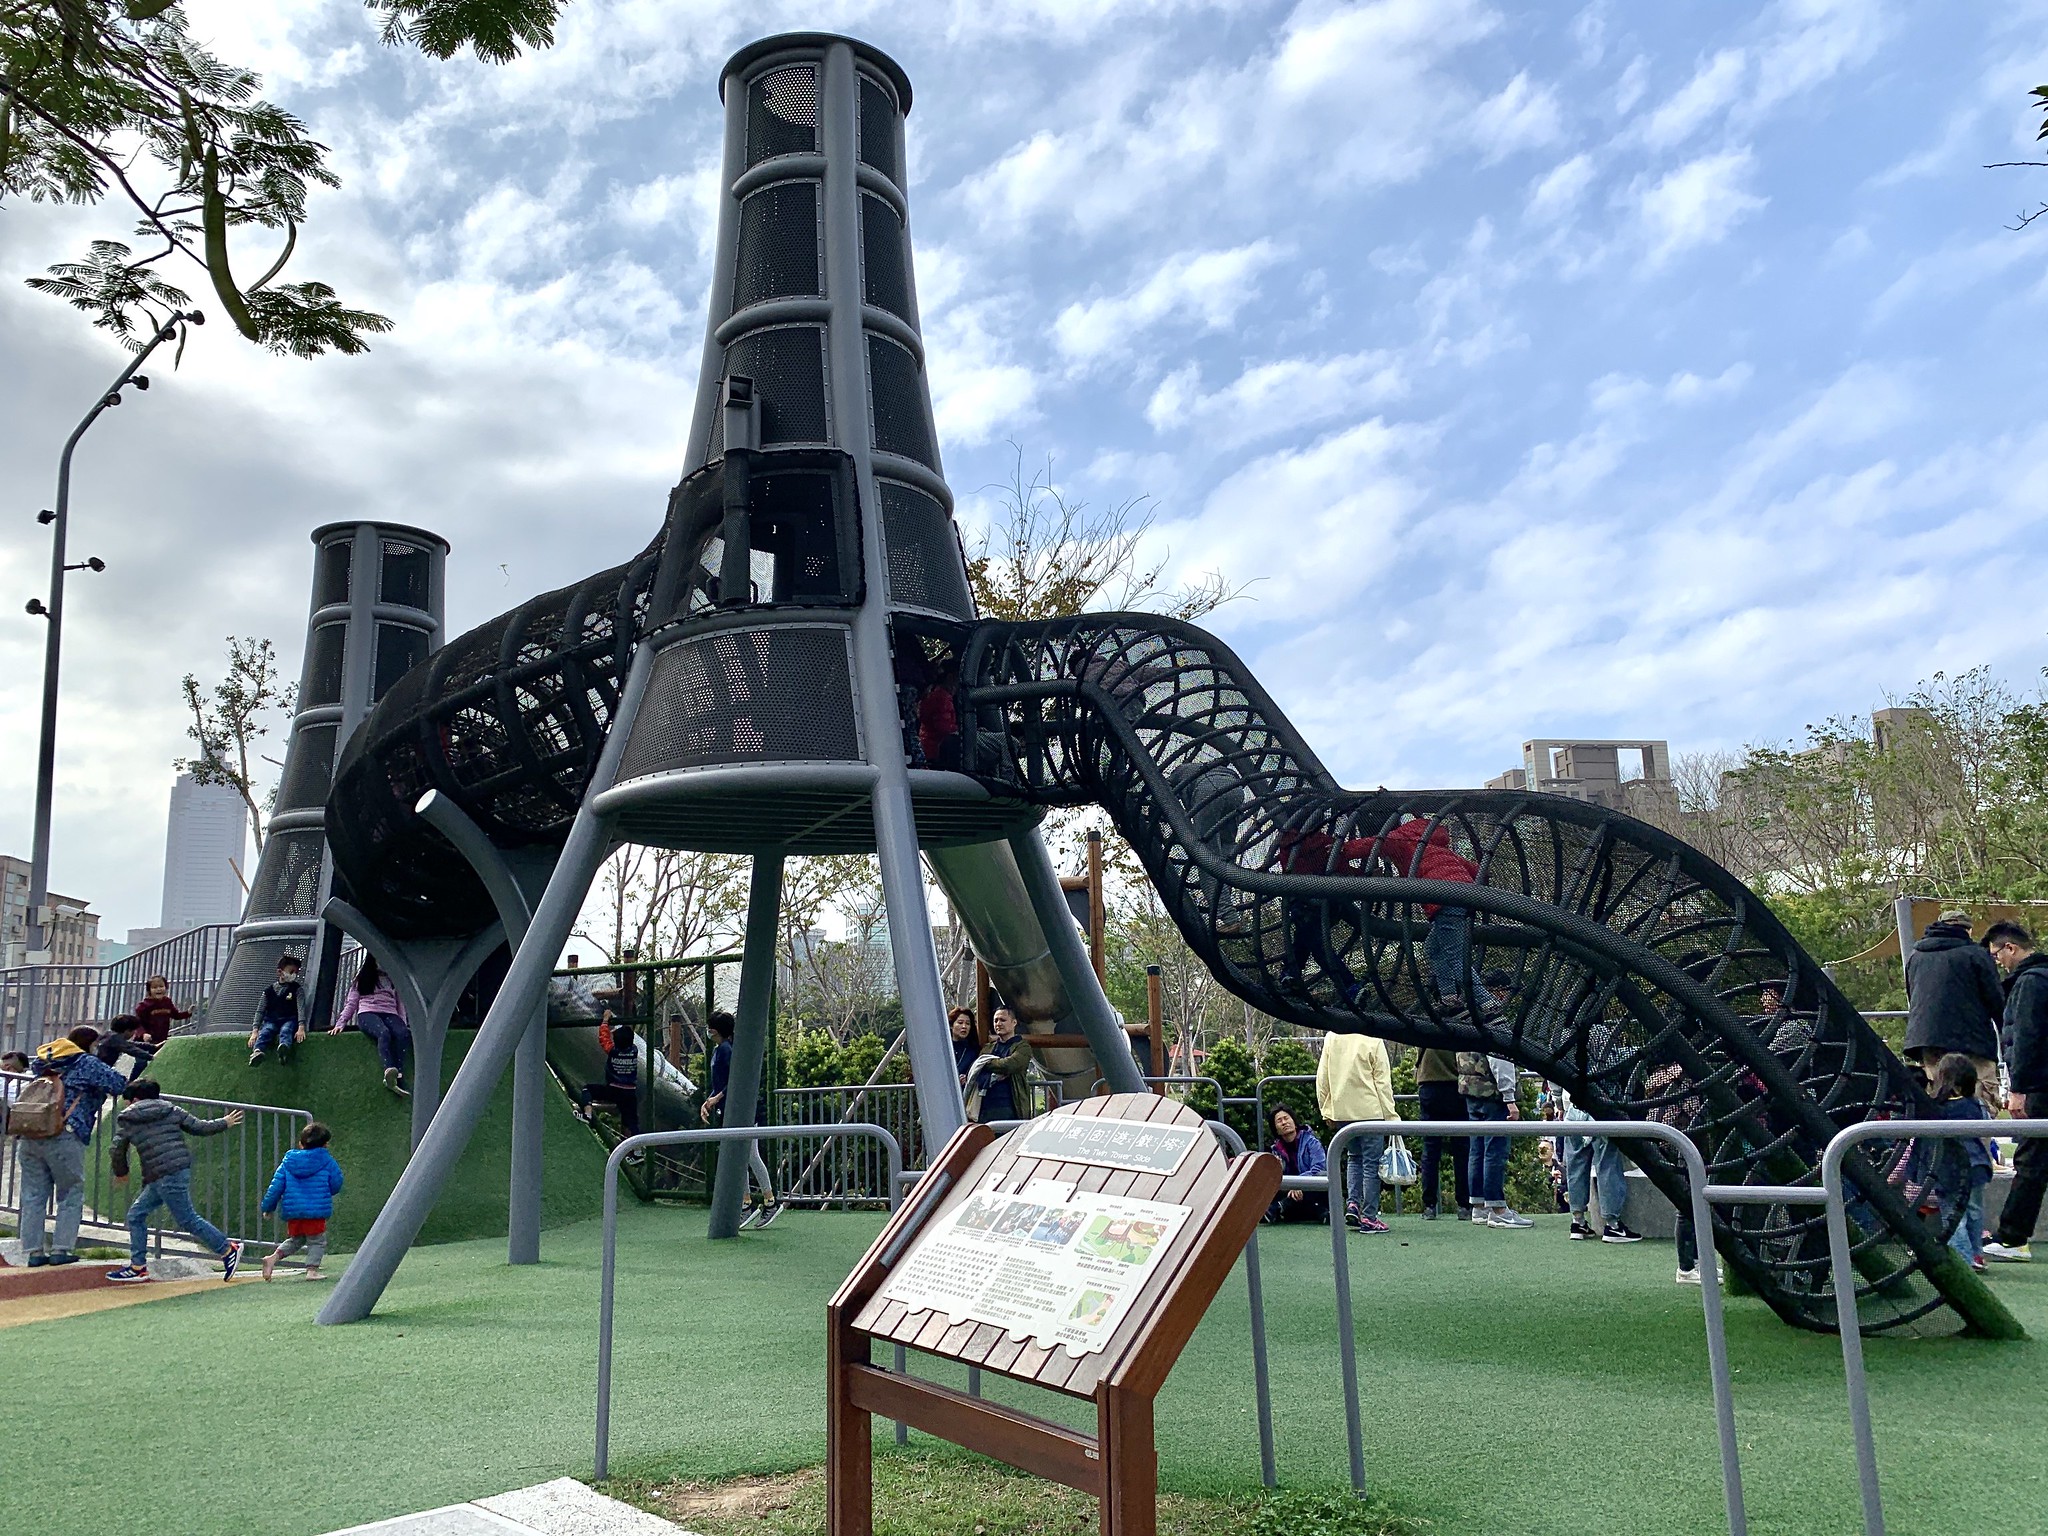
(46, 751)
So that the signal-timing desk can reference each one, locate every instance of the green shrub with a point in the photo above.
(1330, 1512)
(813, 1060)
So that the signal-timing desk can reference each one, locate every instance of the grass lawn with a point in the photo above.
(1513, 1382)
(336, 1078)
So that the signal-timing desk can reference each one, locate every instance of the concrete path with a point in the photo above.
(563, 1507)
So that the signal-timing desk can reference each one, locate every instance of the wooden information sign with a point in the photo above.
(1077, 1253)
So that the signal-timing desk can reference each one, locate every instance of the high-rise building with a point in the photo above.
(1597, 773)
(205, 855)
(74, 931)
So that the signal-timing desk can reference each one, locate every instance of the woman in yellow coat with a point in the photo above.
(1355, 1082)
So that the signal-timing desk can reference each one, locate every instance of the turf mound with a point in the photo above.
(336, 1078)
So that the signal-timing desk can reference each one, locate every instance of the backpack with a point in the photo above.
(38, 1111)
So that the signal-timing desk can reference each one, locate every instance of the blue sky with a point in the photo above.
(1627, 370)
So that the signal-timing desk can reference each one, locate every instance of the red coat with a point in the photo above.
(153, 1016)
(938, 722)
(1433, 859)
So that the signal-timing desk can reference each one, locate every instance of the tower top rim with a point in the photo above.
(783, 42)
(403, 530)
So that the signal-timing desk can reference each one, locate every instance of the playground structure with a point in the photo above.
(749, 683)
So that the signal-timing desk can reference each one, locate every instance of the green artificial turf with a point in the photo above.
(1513, 1382)
(337, 1078)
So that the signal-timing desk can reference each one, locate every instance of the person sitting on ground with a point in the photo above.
(966, 1043)
(279, 1025)
(1489, 1086)
(374, 1008)
(1354, 1081)
(156, 1129)
(1301, 1154)
(1960, 1169)
(999, 1081)
(621, 1085)
(155, 1014)
(123, 1042)
(2025, 1040)
(1587, 1159)
(51, 1164)
(302, 1191)
(1954, 1001)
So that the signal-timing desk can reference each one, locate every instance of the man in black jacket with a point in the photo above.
(1954, 1001)
(2026, 1060)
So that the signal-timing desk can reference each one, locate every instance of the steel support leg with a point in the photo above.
(1098, 1021)
(929, 1042)
(469, 1096)
(749, 1038)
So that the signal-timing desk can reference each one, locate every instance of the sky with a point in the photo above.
(1617, 371)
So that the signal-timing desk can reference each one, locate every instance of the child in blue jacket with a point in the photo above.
(304, 1185)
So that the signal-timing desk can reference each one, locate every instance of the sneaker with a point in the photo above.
(38, 1259)
(1689, 1276)
(1978, 1264)
(231, 1260)
(1582, 1230)
(1429, 1213)
(284, 1051)
(1511, 1220)
(1351, 1215)
(129, 1274)
(2003, 1253)
(771, 1213)
(254, 1057)
(1369, 1226)
(62, 1256)
(1464, 1213)
(395, 1083)
(1616, 1232)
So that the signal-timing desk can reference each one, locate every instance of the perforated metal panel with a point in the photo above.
(330, 572)
(880, 135)
(400, 648)
(308, 769)
(407, 577)
(782, 113)
(781, 694)
(884, 270)
(326, 659)
(287, 882)
(925, 567)
(896, 402)
(777, 254)
(787, 365)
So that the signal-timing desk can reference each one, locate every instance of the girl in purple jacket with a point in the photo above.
(373, 1006)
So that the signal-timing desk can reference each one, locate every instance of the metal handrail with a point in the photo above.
(1839, 1256)
(1637, 1130)
(649, 1139)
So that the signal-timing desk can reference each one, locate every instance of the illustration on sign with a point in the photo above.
(1135, 1145)
(1052, 1264)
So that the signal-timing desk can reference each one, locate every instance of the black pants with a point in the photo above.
(625, 1100)
(1312, 1206)
(1687, 1241)
(1442, 1101)
(2029, 1182)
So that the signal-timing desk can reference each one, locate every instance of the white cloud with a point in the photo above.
(1274, 398)
(1696, 204)
(1523, 115)
(1556, 193)
(1816, 40)
(1205, 288)
(1712, 89)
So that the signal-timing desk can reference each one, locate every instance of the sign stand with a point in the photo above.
(1123, 1151)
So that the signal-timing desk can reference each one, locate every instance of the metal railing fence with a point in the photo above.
(608, 1274)
(38, 1002)
(230, 1171)
(844, 1174)
(1639, 1130)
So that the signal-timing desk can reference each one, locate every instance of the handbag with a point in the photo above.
(1397, 1164)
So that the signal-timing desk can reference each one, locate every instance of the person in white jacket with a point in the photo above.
(1355, 1082)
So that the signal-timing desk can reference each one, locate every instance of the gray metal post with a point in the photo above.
(1262, 1379)
(469, 1096)
(530, 1061)
(750, 1035)
(1106, 1038)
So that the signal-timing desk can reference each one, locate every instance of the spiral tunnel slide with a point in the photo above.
(1620, 962)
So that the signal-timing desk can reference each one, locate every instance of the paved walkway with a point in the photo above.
(563, 1507)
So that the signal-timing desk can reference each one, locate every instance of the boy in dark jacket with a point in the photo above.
(302, 1191)
(124, 1041)
(277, 1015)
(2026, 1064)
(156, 1129)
